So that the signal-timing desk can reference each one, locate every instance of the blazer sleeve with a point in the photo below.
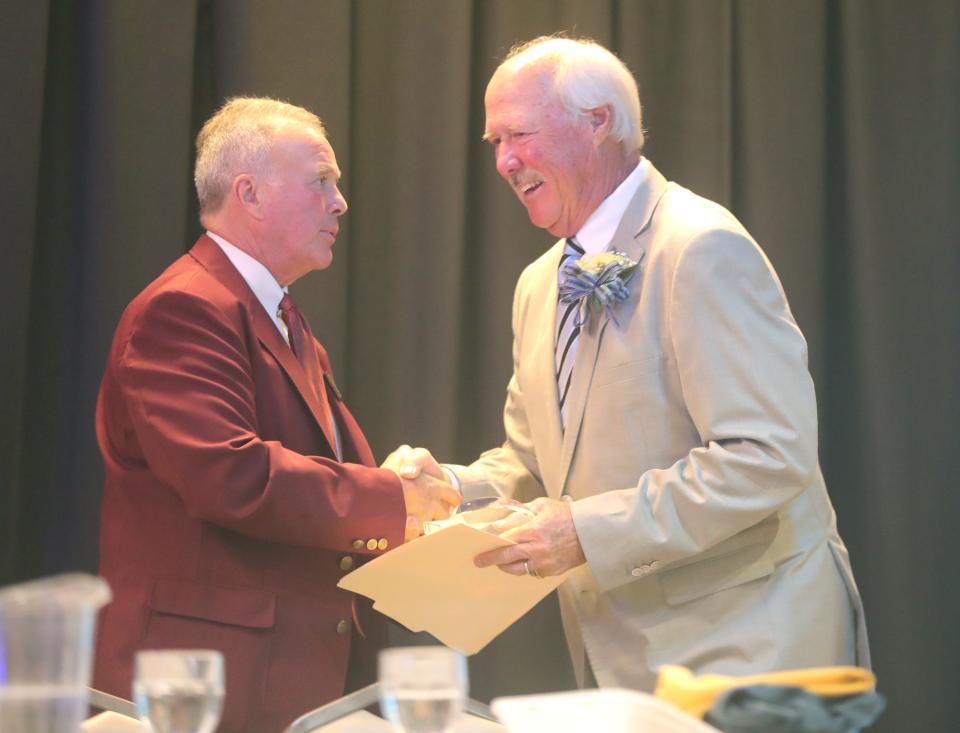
(185, 378)
(742, 368)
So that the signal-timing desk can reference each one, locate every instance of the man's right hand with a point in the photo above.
(427, 497)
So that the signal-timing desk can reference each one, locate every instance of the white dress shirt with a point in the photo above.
(261, 281)
(595, 235)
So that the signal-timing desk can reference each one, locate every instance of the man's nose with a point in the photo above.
(507, 161)
(338, 204)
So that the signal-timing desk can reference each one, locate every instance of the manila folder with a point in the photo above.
(431, 584)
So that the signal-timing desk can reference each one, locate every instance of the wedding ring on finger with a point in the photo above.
(531, 573)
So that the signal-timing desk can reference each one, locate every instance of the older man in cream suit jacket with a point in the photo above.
(676, 462)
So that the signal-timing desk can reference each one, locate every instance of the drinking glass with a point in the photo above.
(46, 647)
(422, 688)
(179, 690)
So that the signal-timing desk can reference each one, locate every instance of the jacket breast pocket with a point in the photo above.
(630, 370)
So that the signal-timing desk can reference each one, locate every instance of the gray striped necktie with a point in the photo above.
(568, 330)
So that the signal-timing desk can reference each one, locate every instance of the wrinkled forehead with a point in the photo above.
(519, 97)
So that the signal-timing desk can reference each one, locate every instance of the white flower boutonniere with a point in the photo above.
(598, 282)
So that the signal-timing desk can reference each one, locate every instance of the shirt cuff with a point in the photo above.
(451, 477)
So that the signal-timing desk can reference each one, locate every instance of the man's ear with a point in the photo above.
(601, 121)
(247, 194)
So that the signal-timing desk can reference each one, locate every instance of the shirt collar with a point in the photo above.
(263, 284)
(595, 235)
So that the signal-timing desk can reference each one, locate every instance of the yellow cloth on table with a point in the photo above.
(696, 695)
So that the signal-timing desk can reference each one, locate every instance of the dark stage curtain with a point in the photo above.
(830, 127)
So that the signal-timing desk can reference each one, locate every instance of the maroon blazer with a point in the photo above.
(226, 519)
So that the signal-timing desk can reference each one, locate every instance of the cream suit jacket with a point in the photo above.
(689, 456)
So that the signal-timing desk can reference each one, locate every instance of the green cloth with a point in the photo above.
(779, 709)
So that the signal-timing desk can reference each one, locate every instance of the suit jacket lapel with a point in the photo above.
(540, 391)
(209, 254)
(353, 443)
(629, 240)
(629, 237)
(588, 346)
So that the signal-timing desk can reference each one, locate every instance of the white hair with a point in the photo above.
(586, 76)
(237, 139)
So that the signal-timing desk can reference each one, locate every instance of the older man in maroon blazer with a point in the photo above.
(239, 488)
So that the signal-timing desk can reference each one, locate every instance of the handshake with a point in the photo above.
(427, 492)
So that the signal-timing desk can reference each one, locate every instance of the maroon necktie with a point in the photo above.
(301, 342)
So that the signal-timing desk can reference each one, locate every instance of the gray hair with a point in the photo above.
(237, 139)
(586, 76)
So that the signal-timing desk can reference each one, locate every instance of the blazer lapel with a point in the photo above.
(540, 390)
(636, 220)
(588, 346)
(629, 240)
(209, 254)
(271, 339)
(353, 444)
